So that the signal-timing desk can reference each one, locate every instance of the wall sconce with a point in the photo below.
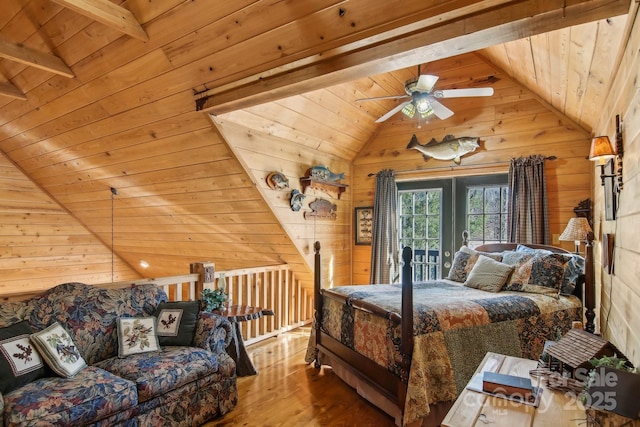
(603, 151)
(577, 230)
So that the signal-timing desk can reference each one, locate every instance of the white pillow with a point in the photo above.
(137, 335)
(59, 351)
(488, 275)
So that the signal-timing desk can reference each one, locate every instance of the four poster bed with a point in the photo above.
(410, 349)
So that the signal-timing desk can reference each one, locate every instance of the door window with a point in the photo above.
(433, 214)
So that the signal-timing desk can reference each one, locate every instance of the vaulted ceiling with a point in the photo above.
(120, 96)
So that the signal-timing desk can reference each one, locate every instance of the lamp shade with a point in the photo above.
(577, 230)
(601, 149)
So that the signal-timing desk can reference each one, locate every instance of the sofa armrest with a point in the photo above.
(213, 332)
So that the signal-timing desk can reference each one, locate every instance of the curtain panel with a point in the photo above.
(527, 217)
(384, 246)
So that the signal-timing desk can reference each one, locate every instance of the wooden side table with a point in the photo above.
(236, 349)
(473, 408)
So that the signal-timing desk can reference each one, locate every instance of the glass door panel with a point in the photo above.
(425, 225)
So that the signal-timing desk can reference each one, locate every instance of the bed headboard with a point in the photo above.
(499, 247)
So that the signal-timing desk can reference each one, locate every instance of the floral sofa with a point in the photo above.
(173, 385)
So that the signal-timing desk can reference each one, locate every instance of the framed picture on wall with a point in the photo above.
(364, 225)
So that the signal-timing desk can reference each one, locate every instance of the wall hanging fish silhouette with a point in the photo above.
(323, 173)
(450, 148)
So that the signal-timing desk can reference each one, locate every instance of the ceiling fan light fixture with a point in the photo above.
(409, 110)
(427, 113)
(423, 106)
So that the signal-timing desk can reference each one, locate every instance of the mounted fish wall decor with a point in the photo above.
(321, 178)
(296, 200)
(277, 181)
(450, 148)
(322, 209)
(323, 173)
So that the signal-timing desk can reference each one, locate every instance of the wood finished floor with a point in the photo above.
(288, 392)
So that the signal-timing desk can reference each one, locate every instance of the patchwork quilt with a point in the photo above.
(454, 327)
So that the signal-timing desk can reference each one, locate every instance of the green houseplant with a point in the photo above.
(612, 385)
(215, 299)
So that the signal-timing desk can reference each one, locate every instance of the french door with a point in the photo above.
(433, 214)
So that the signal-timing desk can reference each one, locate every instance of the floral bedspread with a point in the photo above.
(454, 327)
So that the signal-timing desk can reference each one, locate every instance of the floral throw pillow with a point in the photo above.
(20, 362)
(58, 350)
(464, 260)
(177, 322)
(573, 269)
(137, 335)
(535, 272)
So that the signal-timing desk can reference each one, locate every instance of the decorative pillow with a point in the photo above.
(20, 362)
(488, 275)
(573, 269)
(137, 335)
(464, 260)
(177, 322)
(535, 273)
(58, 350)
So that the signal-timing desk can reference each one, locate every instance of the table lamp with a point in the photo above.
(577, 230)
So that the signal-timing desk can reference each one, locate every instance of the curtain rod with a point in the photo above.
(451, 167)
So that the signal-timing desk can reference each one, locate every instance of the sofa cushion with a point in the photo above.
(177, 322)
(90, 395)
(159, 372)
(89, 313)
(137, 335)
(58, 350)
(20, 362)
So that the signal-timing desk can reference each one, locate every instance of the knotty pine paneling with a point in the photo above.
(549, 64)
(262, 154)
(506, 129)
(128, 120)
(618, 295)
(42, 245)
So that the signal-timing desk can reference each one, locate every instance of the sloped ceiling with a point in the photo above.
(127, 118)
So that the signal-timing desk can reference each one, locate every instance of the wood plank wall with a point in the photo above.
(512, 123)
(619, 293)
(42, 244)
(262, 154)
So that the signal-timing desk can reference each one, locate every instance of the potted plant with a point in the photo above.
(612, 386)
(215, 299)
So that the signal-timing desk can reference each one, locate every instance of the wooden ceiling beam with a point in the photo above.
(109, 14)
(33, 58)
(500, 24)
(7, 89)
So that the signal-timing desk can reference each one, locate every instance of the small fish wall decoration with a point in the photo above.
(450, 148)
(296, 200)
(277, 181)
(322, 209)
(323, 173)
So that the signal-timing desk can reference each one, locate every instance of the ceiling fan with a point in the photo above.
(423, 99)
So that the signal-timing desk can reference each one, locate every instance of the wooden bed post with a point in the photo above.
(407, 312)
(589, 287)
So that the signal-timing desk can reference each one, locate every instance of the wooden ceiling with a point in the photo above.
(91, 103)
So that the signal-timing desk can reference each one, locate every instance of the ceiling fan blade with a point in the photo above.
(440, 110)
(458, 93)
(375, 98)
(426, 82)
(393, 111)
